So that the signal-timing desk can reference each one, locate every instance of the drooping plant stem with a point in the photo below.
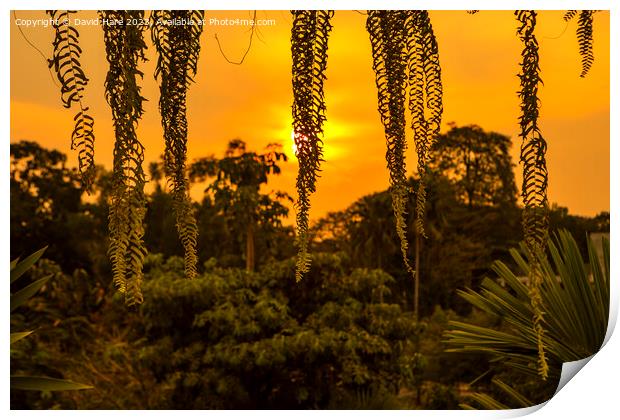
(534, 190)
(406, 60)
(178, 48)
(309, 38)
(69, 72)
(125, 48)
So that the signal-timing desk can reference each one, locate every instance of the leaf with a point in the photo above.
(15, 337)
(18, 269)
(24, 294)
(513, 393)
(42, 383)
(486, 401)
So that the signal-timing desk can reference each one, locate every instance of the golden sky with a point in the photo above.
(479, 56)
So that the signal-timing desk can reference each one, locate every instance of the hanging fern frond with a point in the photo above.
(416, 57)
(388, 42)
(425, 96)
(68, 69)
(309, 37)
(125, 48)
(534, 146)
(569, 15)
(533, 150)
(584, 37)
(472, 12)
(178, 48)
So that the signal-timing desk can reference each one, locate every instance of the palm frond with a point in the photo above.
(575, 299)
(489, 403)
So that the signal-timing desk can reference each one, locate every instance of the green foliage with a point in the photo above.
(366, 399)
(125, 47)
(15, 337)
(178, 48)
(42, 383)
(73, 80)
(441, 397)
(575, 297)
(19, 268)
(19, 298)
(235, 339)
(309, 37)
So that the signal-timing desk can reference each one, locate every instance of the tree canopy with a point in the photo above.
(478, 165)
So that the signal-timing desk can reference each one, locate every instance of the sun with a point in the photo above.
(300, 137)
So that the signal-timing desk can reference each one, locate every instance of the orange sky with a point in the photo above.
(479, 57)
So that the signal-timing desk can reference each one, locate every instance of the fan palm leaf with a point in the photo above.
(575, 299)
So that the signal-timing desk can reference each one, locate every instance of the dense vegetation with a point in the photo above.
(244, 333)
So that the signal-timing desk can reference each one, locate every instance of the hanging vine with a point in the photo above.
(176, 36)
(309, 39)
(533, 150)
(584, 37)
(425, 96)
(125, 48)
(66, 63)
(405, 54)
(387, 39)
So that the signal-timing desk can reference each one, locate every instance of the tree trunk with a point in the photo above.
(249, 249)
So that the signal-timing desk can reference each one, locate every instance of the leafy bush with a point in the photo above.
(19, 380)
(236, 339)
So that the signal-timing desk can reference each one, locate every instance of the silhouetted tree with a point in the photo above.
(478, 165)
(235, 184)
(46, 207)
